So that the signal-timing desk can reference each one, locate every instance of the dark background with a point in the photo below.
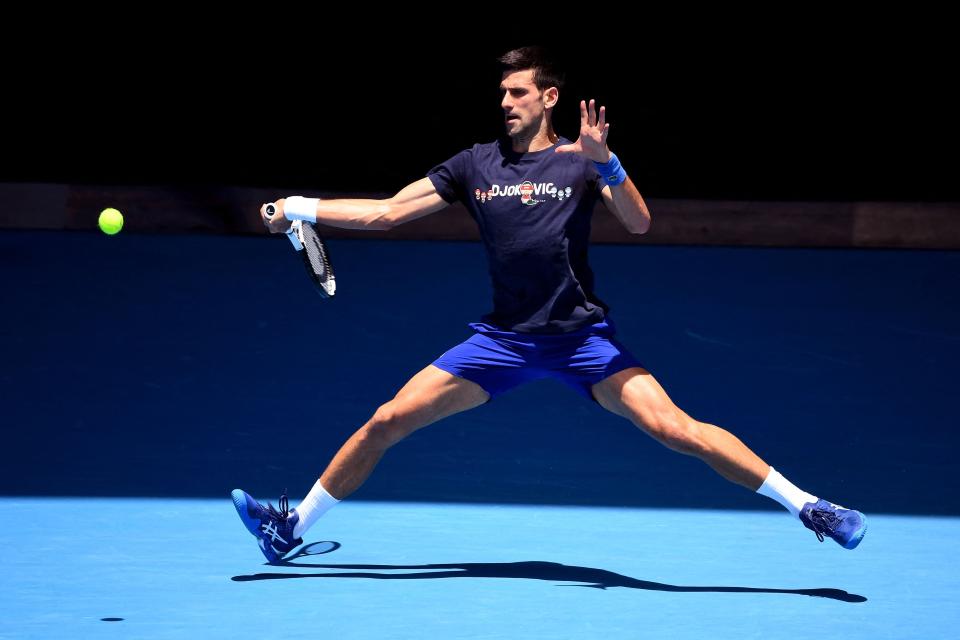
(157, 365)
(811, 107)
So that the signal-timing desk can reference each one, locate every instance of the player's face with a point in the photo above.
(523, 104)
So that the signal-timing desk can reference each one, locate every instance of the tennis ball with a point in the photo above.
(111, 221)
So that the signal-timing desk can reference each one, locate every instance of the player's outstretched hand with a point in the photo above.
(592, 142)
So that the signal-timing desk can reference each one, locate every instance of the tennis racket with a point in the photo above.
(316, 259)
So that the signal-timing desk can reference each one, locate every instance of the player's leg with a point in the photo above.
(637, 396)
(430, 395)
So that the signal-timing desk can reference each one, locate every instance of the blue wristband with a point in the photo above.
(611, 172)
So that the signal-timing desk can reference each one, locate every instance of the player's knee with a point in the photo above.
(678, 432)
(386, 428)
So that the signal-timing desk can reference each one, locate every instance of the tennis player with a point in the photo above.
(531, 194)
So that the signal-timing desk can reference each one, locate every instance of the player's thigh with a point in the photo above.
(637, 396)
(431, 395)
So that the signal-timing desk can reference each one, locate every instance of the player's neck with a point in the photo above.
(543, 139)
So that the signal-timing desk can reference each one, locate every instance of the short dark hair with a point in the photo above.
(546, 74)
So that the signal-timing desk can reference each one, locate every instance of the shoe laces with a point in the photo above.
(280, 515)
(823, 521)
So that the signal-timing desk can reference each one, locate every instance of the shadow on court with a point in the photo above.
(534, 570)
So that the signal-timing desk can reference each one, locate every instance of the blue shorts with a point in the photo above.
(499, 360)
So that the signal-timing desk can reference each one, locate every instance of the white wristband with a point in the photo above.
(300, 208)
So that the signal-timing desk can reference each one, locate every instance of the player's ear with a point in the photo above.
(550, 97)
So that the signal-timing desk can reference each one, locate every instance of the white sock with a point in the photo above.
(317, 503)
(784, 492)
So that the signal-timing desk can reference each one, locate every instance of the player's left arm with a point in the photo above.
(623, 199)
(625, 202)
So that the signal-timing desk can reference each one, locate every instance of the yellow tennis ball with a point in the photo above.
(111, 221)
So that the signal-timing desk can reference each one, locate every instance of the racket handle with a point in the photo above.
(293, 234)
(271, 210)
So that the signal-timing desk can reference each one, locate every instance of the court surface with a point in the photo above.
(181, 568)
(144, 377)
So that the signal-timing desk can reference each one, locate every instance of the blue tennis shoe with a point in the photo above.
(272, 528)
(845, 526)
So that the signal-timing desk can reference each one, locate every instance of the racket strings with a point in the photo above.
(318, 258)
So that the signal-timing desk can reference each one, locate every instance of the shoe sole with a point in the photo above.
(858, 536)
(272, 556)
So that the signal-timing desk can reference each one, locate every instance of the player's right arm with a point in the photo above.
(413, 201)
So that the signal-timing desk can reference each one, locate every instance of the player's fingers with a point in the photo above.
(583, 113)
(606, 131)
(269, 222)
(603, 118)
(264, 217)
(593, 114)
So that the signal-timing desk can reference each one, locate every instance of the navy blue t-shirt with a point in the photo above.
(533, 211)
